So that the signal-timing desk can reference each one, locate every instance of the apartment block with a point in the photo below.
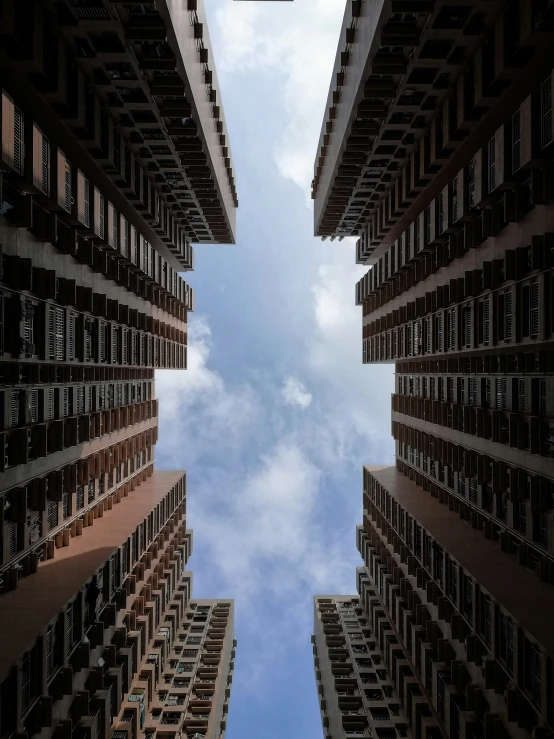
(114, 160)
(357, 697)
(466, 621)
(77, 630)
(436, 152)
(196, 671)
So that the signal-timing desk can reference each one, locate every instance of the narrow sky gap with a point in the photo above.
(276, 414)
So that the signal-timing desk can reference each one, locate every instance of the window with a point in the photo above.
(541, 529)
(532, 671)
(520, 516)
(49, 648)
(467, 598)
(452, 580)
(13, 146)
(516, 140)
(443, 679)
(52, 514)
(501, 393)
(56, 333)
(80, 497)
(505, 316)
(530, 310)
(485, 618)
(91, 490)
(471, 184)
(546, 112)
(492, 164)
(506, 642)
(484, 321)
(466, 326)
(41, 160)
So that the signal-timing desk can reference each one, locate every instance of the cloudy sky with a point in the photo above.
(276, 414)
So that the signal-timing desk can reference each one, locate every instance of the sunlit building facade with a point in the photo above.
(115, 159)
(436, 153)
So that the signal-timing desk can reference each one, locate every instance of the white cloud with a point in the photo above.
(361, 394)
(265, 543)
(294, 393)
(196, 407)
(298, 42)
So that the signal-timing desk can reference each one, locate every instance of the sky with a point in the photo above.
(276, 415)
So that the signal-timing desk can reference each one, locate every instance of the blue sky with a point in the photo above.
(276, 414)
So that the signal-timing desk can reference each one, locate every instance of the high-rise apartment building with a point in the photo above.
(357, 697)
(114, 159)
(436, 151)
(196, 674)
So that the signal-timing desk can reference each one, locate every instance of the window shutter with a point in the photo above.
(534, 310)
(123, 335)
(124, 234)
(516, 140)
(471, 184)
(508, 316)
(67, 186)
(492, 163)
(468, 317)
(87, 203)
(32, 406)
(50, 404)
(25, 683)
(542, 397)
(521, 396)
(41, 161)
(12, 134)
(486, 321)
(69, 629)
(49, 649)
(102, 341)
(144, 264)
(18, 144)
(546, 112)
(72, 319)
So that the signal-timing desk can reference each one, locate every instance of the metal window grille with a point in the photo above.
(80, 497)
(52, 514)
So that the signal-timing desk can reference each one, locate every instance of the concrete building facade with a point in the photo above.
(357, 698)
(436, 152)
(115, 158)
